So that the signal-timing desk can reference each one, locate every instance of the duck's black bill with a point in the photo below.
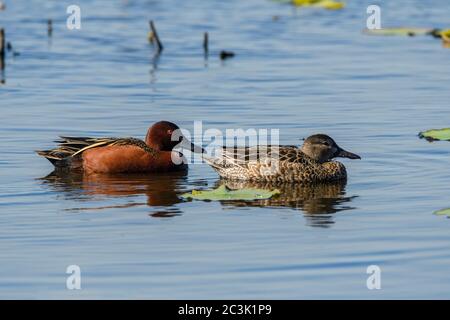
(188, 145)
(345, 154)
(195, 148)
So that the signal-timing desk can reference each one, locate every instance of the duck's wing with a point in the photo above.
(69, 147)
(243, 156)
(259, 162)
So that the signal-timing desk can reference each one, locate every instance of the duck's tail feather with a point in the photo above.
(69, 147)
(57, 158)
(213, 162)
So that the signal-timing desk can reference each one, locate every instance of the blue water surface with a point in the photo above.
(301, 71)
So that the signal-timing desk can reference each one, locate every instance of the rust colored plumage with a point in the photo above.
(119, 155)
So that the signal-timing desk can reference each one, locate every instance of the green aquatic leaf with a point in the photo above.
(399, 31)
(443, 212)
(223, 193)
(326, 4)
(436, 134)
(444, 33)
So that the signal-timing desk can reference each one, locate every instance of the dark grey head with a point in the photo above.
(322, 148)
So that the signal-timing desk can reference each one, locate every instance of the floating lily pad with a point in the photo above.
(326, 4)
(223, 193)
(399, 31)
(443, 212)
(436, 134)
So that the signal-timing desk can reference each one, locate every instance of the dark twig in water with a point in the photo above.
(226, 54)
(205, 45)
(156, 37)
(2, 49)
(10, 48)
(49, 27)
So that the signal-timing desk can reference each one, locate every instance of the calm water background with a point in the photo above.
(309, 71)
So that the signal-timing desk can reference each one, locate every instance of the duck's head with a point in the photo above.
(165, 135)
(322, 148)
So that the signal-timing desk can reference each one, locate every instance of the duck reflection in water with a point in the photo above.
(317, 201)
(160, 189)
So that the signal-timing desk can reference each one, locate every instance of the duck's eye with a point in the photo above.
(326, 143)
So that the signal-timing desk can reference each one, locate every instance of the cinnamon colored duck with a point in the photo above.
(123, 155)
(310, 163)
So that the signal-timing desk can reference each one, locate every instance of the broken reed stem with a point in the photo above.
(2, 49)
(155, 34)
(205, 44)
(49, 27)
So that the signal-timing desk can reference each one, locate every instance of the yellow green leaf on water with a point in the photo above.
(444, 35)
(326, 4)
(436, 134)
(399, 31)
(223, 193)
(443, 212)
(445, 32)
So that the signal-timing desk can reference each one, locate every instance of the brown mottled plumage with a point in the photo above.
(308, 164)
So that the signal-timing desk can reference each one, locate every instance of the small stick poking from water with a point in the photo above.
(2, 49)
(205, 44)
(156, 37)
(49, 27)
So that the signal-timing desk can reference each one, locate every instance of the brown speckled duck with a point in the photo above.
(310, 163)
